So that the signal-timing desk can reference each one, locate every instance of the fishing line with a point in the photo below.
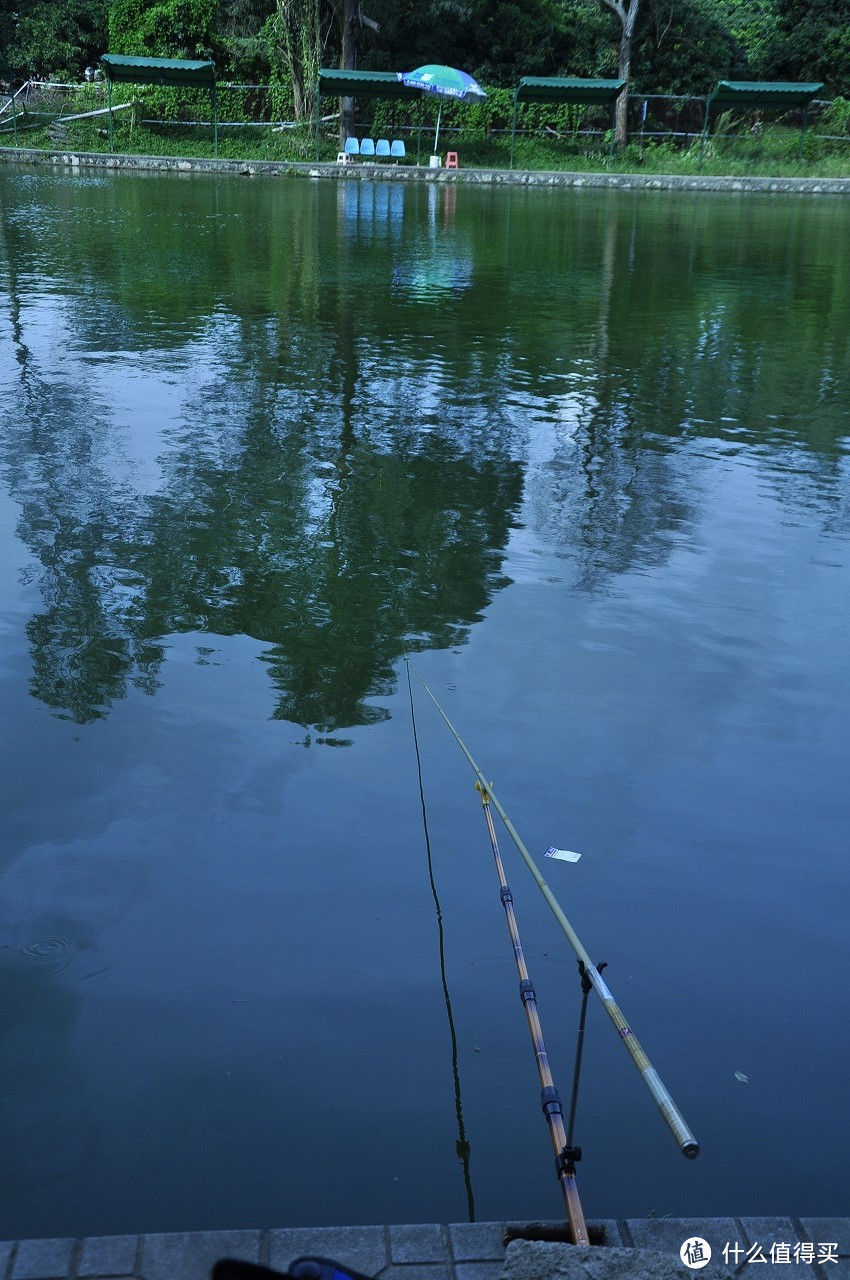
(462, 1145)
(670, 1112)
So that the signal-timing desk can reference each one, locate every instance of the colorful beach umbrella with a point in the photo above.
(446, 82)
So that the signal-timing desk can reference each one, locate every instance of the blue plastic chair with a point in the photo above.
(352, 147)
(397, 150)
(367, 147)
(382, 148)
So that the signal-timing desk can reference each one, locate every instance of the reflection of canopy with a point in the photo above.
(565, 89)
(177, 73)
(762, 93)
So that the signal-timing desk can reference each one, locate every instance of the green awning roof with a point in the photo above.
(362, 84)
(569, 89)
(768, 93)
(163, 71)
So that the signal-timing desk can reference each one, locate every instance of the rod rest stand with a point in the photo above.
(586, 984)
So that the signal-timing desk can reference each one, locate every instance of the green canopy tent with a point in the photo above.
(776, 94)
(359, 84)
(171, 73)
(6, 73)
(566, 89)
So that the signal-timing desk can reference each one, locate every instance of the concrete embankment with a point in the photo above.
(636, 1249)
(88, 160)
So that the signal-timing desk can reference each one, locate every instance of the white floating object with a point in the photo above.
(739, 1075)
(563, 855)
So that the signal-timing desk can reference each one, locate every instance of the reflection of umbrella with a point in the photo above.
(445, 81)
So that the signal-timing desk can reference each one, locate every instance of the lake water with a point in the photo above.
(585, 454)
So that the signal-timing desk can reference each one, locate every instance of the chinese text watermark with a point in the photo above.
(696, 1253)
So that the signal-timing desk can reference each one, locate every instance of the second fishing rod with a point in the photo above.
(549, 1096)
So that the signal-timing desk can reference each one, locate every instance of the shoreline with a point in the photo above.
(77, 161)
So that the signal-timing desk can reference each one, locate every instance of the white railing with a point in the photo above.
(10, 100)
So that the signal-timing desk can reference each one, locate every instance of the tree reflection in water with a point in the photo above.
(349, 395)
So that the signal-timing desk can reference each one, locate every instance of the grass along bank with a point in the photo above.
(735, 152)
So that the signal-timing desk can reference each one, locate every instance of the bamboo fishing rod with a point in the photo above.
(549, 1097)
(671, 1114)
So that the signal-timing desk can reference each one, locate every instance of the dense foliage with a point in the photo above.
(812, 41)
(50, 37)
(680, 46)
(162, 28)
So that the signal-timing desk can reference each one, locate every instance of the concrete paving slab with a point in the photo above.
(416, 1271)
(6, 1250)
(767, 1232)
(190, 1256)
(364, 1249)
(108, 1256)
(667, 1235)
(478, 1270)
(826, 1231)
(477, 1241)
(782, 1241)
(426, 1242)
(43, 1260)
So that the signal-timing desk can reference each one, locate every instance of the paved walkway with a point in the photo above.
(805, 1247)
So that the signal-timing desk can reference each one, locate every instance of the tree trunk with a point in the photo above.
(348, 21)
(621, 117)
(298, 25)
(627, 12)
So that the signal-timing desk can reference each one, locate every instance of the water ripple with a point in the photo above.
(53, 953)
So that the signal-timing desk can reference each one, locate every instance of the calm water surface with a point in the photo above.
(587, 455)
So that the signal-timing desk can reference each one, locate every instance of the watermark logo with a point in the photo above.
(805, 1251)
(695, 1253)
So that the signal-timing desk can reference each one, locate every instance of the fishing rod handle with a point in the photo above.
(671, 1114)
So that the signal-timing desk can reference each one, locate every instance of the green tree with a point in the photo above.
(810, 40)
(498, 41)
(162, 28)
(53, 37)
(749, 25)
(684, 46)
(242, 48)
